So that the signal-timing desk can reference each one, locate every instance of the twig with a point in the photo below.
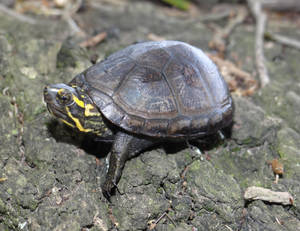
(67, 12)
(75, 29)
(216, 16)
(152, 224)
(112, 217)
(259, 50)
(16, 15)
(261, 18)
(279, 222)
(155, 37)
(93, 41)
(283, 40)
(259, 193)
(239, 81)
(2, 179)
(71, 9)
(99, 5)
(230, 229)
(19, 118)
(218, 41)
(279, 5)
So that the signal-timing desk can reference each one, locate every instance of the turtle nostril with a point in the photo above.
(46, 90)
(48, 97)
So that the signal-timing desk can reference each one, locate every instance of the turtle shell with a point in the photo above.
(161, 89)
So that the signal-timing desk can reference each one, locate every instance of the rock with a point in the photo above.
(53, 174)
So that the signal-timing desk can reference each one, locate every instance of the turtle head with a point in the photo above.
(73, 107)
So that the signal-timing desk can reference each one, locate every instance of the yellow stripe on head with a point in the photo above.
(67, 123)
(88, 110)
(88, 107)
(79, 102)
(77, 122)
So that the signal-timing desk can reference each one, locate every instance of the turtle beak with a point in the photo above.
(49, 98)
(50, 94)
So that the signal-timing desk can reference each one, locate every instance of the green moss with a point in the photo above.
(195, 166)
(8, 218)
(249, 141)
(209, 206)
(70, 55)
(9, 191)
(25, 202)
(65, 59)
(181, 207)
(160, 190)
(247, 182)
(180, 4)
(2, 207)
(236, 149)
(281, 153)
(38, 111)
(21, 181)
(14, 132)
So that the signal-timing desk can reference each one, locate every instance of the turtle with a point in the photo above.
(144, 94)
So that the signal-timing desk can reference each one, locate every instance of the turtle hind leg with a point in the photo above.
(124, 147)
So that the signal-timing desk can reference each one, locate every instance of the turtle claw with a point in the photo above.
(107, 196)
(107, 189)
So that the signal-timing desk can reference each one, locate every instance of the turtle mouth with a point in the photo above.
(48, 98)
(52, 106)
(56, 112)
(50, 94)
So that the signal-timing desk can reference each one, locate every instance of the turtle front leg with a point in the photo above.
(124, 147)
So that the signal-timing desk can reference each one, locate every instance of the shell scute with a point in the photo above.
(192, 96)
(156, 59)
(156, 126)
(146, 94)
(180, 125)
(107, 76)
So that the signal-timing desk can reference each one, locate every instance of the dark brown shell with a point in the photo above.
(161, 89)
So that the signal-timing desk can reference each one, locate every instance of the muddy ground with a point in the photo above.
(51, 175)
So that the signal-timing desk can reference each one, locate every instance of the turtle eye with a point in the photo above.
(64, 97)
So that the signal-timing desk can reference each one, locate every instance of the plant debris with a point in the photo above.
(261, 19)
(152, 224)
(155, 37)
(17, 15)
(2, 179)
(93, 41)
(259, 193)
(221, 34)
(180, 4)
(240, 82)
(283, 40)
(277, 168)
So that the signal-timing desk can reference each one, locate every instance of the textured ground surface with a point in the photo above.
(52, 175)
